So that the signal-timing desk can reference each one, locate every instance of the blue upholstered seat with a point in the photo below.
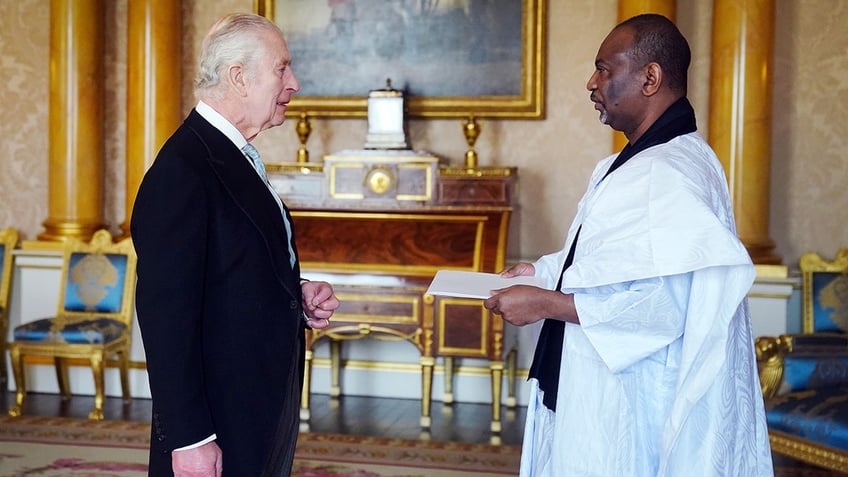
(817, 415)
(78, 331)
(93, 319)
(805, 376)
(94, 284)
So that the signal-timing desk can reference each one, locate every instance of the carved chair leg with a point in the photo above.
(448, 365)
(97, 371)
(62, 377)
(335, 368)
(20, 384)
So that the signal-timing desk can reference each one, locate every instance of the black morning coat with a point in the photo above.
(219, 306)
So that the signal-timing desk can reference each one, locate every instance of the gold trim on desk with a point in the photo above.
(382, 269)
(459, 172)
(414, 301)
(407, 270)
(371, 156)
(294, 167)
(484, 327)
(412, 368)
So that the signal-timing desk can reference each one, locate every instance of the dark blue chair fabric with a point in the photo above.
(73, 331)
(94, 284)
(818, 415)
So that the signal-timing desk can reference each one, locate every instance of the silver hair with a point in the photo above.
(235, 39)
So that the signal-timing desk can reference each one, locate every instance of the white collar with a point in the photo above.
(220, 123)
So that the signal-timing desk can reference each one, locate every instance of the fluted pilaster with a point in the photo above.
(75, 176)
(740, 114)
(153, 86)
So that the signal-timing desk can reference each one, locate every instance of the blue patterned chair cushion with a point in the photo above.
(803, 372)
(95, 282)
(816, 360)
(819, 415)
(830, 302)
(71, 330)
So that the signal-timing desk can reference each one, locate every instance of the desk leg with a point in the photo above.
(512, 363)
(307, 386)
(427, 364)
(496, 368)
(448, 365)
(335, 367)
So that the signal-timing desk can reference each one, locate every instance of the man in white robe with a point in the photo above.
(645, 365)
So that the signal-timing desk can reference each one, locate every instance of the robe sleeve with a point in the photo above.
(630, 321)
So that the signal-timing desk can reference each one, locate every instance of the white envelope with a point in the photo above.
(463, 284)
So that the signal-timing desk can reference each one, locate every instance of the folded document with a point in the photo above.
(462, 284)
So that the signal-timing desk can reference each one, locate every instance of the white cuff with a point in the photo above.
(198, 444)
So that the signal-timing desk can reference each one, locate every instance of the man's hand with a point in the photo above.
(524, 304)
(319, 303)
(201, 461)
(522, 269)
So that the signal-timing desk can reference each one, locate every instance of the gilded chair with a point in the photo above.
(805, 376)
(96, 305)
(8, 242)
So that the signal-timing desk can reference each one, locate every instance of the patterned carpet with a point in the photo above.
(52, 447)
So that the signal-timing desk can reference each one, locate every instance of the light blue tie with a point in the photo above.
(253, 154)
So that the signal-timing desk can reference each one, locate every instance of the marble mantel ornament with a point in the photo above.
(386, 124)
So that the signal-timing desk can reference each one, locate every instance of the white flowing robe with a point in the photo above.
(660, 377)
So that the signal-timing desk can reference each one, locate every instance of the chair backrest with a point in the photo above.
(824, 293)
(8, 242)
(98, 278)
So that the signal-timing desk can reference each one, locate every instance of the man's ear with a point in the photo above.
(653, 79)
(237, 79)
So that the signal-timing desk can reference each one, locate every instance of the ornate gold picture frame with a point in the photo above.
(451, 58)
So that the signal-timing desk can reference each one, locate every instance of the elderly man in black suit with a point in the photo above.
(221, 304)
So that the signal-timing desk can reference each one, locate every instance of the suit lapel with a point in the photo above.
(248, 191)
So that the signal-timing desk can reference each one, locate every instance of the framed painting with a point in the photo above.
(451, 58)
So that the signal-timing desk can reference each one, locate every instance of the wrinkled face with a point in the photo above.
(615, 85)
(271, 86)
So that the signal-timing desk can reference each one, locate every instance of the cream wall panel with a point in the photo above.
(809, 202)
(24, 53)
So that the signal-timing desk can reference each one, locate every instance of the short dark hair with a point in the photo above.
(657, 39)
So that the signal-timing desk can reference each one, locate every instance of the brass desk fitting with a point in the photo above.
(304, 129)
(471, 128)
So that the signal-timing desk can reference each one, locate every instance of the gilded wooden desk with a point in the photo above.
(378, 228)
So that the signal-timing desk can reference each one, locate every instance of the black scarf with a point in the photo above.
(677, 120)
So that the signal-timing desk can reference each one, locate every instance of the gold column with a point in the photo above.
(631, 8)
(153, 87)
(75, 119)
(740, 114)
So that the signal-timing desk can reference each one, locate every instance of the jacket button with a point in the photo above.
(293, 304)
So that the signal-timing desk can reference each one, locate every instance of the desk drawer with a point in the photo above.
(464, 328)
(378, 307)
